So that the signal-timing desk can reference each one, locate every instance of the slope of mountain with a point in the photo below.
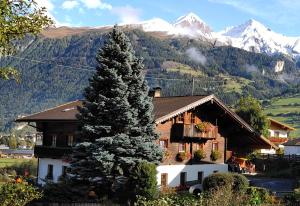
(56, 69)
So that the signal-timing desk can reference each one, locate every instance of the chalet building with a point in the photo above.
(279, 134)
(185, 124)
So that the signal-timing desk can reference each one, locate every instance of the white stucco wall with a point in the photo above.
(282, 133)
(268, 151)
(290, 150)
(174, 171)
(43, 168)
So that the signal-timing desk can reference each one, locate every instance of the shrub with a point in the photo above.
(64, 192)
(30, 166)
(199, 154)
(182, 199)
(240, 183)
(215, 155)
(181, 156)
(217, 180)
(143, 180)
(223, 196)
(18, 194)
(258, 195)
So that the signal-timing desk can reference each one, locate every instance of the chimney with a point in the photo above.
(155, 92)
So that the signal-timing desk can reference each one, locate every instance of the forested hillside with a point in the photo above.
(55, 70)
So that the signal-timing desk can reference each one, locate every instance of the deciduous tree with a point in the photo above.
(18, 18)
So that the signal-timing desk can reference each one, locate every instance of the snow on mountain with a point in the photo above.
(254, 36)
(189, 25)
(192, 25)
(251, 35)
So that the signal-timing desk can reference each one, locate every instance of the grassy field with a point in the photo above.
(286, 110)
(7, 162)
(172, 66)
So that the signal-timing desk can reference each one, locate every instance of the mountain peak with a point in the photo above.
(190, 17)
(254, 23)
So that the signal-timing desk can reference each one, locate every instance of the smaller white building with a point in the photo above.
(278, 134)
(292, 147)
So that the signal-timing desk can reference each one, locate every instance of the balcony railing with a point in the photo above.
(51, 152)
(190, 131)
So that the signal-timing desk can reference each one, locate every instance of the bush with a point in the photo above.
(223, 196)
(182, 199)
(199, 154)
(143, 180)
(64, 192)
(181, 156)
(29, 166)
(240, 183)
(217, 180)
(18, 194)
(258, 195)
(215, 155)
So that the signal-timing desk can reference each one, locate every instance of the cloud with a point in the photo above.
(49, 9)
(96, 4)
(251, 68)
(127, 14)
(70, 4)
(283, 12)
(196, 55)
(46, 3)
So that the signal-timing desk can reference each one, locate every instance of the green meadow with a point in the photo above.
(287, 110)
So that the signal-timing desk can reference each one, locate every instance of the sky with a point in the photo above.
(281, 16)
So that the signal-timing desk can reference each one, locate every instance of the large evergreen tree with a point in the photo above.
(118, 130)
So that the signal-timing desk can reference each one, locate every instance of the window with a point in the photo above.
(70, 140)
(182, 178)
(64, 171)
(180, 118)
(54, 137)
(163, 143)
(200, 177)
(193, 118)
(50, 172)
(164, 179)
(215, 146)
(276, 133)
(181, 147)
(199, 146)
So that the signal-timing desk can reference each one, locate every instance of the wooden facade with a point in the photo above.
(180, 134)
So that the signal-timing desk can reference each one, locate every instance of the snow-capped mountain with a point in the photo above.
(251, 35)
(254, 36)
(192, 25)
(189, 25)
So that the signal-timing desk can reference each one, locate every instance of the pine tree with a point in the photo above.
(118, 130)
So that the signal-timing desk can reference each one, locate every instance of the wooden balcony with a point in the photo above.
(190, 131)
(51, 152)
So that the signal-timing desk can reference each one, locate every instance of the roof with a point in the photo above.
(16, 151)
(282, 125)
(293, 142)
(62, 112)
(164, 108)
